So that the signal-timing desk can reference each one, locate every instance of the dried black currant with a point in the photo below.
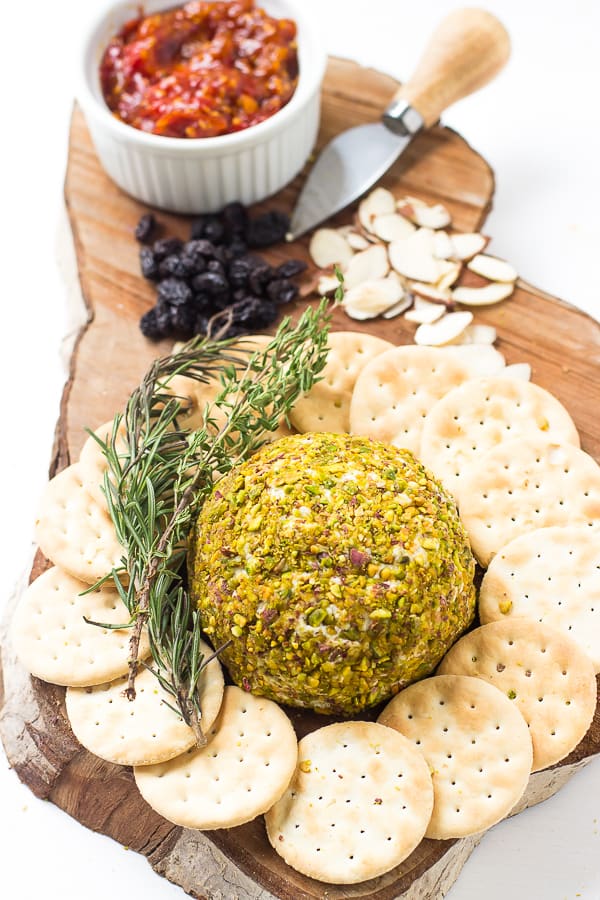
(210, 283)
(236, 247)
(199, 249)
(174, 292)
(239, 271)
(239, 294)
(179, 266)
(201, 324)
(209, 227)
(256, 313)
(234, 217)
(215, 265)
(155, 324)
(282, 291)
(203, 303)
(222, 254)
(183, 319)
(145, 228)
(198, 225)
(196, 264)
(290, 268)
(166, 246)
(260, 277)
(270, 228)
(215, 231)
(148, 263)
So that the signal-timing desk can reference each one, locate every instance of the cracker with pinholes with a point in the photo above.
(193, 397)
(522, 485)
(143, 731)
(476, 744)
(484, 412)
(326, 407)
(546, 675)
(244, 769)
(551, 575)
(93, 464)
(55, 643)
(75, 531)
(357, 806)
(256, 343)
(395, 392)
(197, 397)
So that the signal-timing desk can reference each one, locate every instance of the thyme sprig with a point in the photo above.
(160, 473)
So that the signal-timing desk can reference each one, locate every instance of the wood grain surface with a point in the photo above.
(110, 356)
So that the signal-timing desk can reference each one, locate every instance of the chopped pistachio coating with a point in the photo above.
(338, 568)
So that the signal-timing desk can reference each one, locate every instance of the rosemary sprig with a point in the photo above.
(156, 486)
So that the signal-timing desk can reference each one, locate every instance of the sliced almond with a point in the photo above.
(450, 273)
(443, 247)
(483, 296)
(327, 284)
(493, 268)
(478, 334)
(392, 227)
(379, 202)
(423, 215)
(424, 312)
(444, 330)
(357, 241)
(465, 246)
(328, 247)
(481, 360)
(371, 298)
(413, 257)
(366, 266)
(430, 292)
(433, 216)
(398, 308)
(518, 370)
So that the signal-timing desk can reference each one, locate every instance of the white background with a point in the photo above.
(538, 126)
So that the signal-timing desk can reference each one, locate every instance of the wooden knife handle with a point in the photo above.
(467, 50)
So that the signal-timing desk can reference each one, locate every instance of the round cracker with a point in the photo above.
(92, 461)
(326, 407)
(358, 804)
(241, 773)
(55, 643)
(476, 743)
(484, 412)
(546, 675)
(202, 394)
(395, 392)
(520, 486)
(256, 343)
(551, 575)
(74, 531)
(194, 396)
(143, 731)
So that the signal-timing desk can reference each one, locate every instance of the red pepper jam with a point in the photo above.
(200, 70)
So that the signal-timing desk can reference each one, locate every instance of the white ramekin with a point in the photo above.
(203, 174)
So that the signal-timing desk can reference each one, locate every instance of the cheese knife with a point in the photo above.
(465, 52)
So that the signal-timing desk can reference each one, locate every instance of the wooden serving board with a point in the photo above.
(110, 356)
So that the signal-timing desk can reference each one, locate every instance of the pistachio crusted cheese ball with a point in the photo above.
(337, 566)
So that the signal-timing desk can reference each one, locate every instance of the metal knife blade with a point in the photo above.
(346, 168)
(467, 49)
